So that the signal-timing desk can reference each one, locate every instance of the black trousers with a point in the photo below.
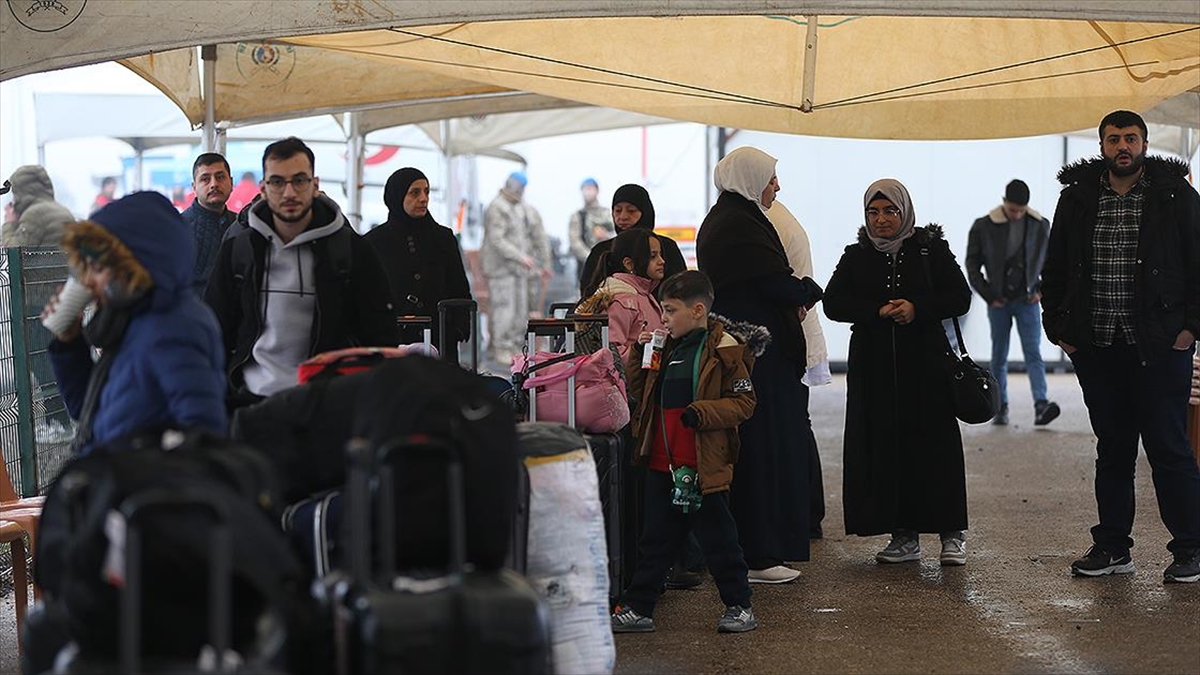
(1126, 401)
(816, 485)
(664, 529)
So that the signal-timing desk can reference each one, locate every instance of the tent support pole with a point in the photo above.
(448, 158)
(208, 63)
(810, 64)
(354, 169)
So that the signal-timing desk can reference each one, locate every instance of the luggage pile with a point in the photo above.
(387, 516)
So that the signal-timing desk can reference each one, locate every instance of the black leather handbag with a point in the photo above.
(974, 389)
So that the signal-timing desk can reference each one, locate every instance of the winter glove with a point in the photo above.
(690, 418)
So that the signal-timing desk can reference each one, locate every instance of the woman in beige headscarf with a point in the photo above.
(741, 253)
(903, 465)
(816, 372)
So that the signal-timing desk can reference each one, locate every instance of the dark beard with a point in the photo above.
(1124, 171)
(294, 219)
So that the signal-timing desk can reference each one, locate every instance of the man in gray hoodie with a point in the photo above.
(296, 282)
(40, 219)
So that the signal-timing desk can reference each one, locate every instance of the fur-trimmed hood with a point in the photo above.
(755, 337)
(1089, 169)
(147, 232)
(998, 216)
(923, 235)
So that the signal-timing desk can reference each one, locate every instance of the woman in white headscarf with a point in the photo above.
(742, 254)
(799, 255)
(903, 467)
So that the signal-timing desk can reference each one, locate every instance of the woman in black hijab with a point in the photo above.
(631, 207)
(423, 261)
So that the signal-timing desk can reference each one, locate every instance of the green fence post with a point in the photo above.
(16, 303)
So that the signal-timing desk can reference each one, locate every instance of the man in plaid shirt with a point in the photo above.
(1121, 296)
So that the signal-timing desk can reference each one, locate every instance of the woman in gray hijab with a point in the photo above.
(903, 467)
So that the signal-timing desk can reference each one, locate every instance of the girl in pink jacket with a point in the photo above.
(623, 286)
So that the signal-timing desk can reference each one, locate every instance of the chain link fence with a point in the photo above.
(35, 429)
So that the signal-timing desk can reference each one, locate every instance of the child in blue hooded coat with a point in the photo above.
(161, 362)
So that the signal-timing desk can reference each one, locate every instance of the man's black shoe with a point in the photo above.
(681, 579)
(1001, 418)
(1185, 569)
(1097, 562)
(1045, 412)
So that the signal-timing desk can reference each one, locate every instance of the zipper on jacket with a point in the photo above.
(895, 359)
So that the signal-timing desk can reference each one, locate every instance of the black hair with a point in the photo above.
(688, 286)
(634, 244)
(1121, 119)
(286, 149)
(207, 159)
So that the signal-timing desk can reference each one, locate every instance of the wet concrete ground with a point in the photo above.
(1014, 608)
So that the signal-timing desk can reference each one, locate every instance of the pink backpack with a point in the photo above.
(601, 404)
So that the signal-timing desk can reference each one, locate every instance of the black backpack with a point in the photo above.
(75, 554)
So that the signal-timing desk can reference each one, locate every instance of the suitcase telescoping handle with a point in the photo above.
(561, 310)
(426, 331)
(370, 464)
(553, 328)
(136, 509)
(472, 307)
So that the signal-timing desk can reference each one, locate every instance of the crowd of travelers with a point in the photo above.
(197, 315)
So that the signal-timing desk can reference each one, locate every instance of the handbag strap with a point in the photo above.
(962, 347)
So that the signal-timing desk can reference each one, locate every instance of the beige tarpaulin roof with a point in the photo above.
(956, 74)
(875, 77)
(36, 36)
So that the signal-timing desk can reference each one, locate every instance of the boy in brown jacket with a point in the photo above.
(686, 425)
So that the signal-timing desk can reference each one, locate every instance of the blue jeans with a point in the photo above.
(1029, 328)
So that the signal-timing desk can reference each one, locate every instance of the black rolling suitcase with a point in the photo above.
(619, 497)
(453, 620)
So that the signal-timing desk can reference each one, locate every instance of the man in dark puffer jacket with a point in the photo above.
(1121, 296)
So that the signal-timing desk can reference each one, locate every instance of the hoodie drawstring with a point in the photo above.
(300, 271)
(266, 280)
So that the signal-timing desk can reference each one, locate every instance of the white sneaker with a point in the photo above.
(773, 575)
(902, 548)
(954, 551)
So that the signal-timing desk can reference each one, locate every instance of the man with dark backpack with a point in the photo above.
(296, 282)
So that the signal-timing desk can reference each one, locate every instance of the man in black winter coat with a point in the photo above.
(1121, 296)
(296, 282)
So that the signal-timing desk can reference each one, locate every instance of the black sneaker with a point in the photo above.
(1097, 562)
(1045, 412)
(737, 620)
(626, 620)
(1001, 418)
(681, 579)
(1185, 569)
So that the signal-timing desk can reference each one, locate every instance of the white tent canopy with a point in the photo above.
(147, 121)
(875, 69)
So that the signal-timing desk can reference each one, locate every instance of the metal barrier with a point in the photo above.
(35, 429)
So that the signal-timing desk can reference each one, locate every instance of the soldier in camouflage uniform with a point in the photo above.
(516, 259)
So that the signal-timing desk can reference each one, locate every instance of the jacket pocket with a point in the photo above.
(1055, 322)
